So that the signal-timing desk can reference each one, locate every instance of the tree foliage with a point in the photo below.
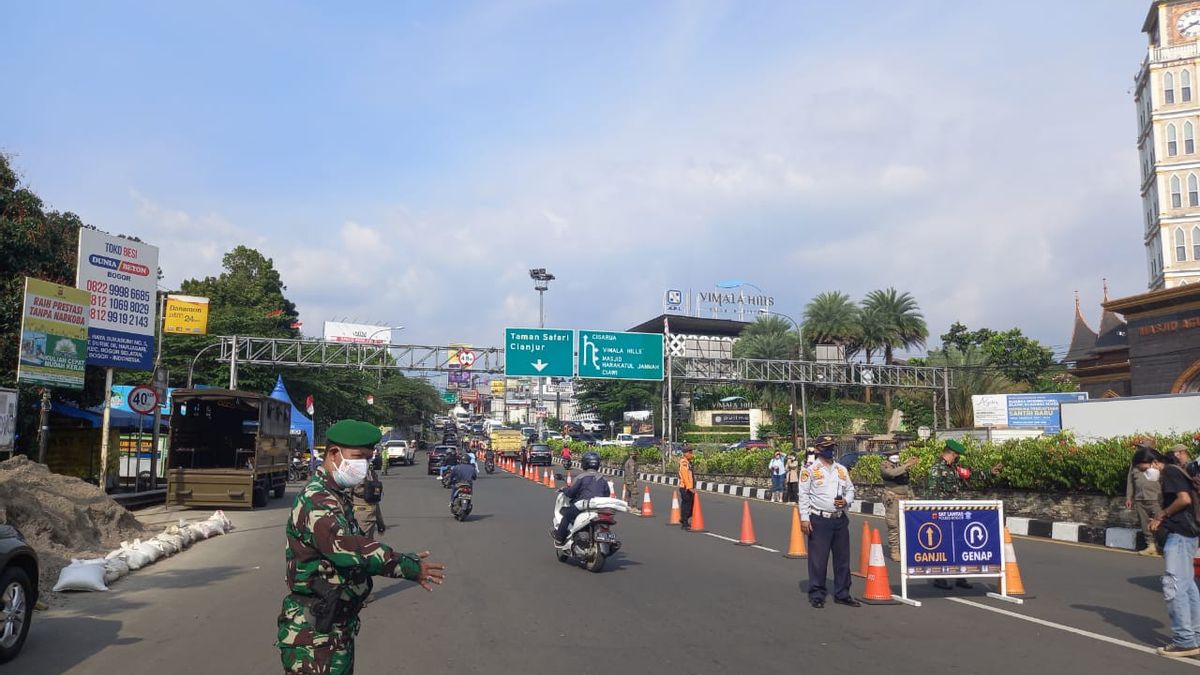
(832, 318)
(1019, 358)
(610, 399)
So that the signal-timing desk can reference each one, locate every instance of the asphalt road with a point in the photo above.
(670, 601)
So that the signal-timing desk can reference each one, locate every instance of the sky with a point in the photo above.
(407, 163)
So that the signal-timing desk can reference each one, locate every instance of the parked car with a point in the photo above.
(400, 452)
(624, 439)
(539, 454)
(553, 435)
(18, 591)
(749, 443)
(435, 457)
(594, 426)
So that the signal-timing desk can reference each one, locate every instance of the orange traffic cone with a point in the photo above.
(647, 504)
(551, 481)
(675, 515)
(568, 479)
(864, 553)
(1012, 574)
(878, 588)
(612, 489)
(697, 514)
(747, 537)
(797, 543)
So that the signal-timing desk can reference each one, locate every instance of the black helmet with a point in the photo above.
(590, 461)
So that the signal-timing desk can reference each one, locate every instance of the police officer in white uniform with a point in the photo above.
(825, 493)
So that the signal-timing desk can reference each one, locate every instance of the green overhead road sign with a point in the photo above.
(450, 397)
(539, 352)
(610, 355)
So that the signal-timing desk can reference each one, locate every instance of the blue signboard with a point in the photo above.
(953, 539)
(120, 399)
(1040, 410)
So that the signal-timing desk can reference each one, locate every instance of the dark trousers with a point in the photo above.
(686, 498)
(829, 535)
(793, 492)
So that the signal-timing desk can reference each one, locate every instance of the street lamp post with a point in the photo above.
(379, 380)
(541, 284)
(192, 368)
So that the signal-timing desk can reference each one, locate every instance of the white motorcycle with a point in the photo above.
(590, 540)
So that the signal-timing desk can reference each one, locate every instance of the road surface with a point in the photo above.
(669, 602)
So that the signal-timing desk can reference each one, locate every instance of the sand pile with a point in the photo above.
(62, 517)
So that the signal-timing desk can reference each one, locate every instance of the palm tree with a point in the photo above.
(875, 332)
(770, 337)
(904, 324)
(832, 318)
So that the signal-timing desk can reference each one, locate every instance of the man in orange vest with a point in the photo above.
(687, 483)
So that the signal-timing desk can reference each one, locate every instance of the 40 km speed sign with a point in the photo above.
(466, 358)
(142, 400)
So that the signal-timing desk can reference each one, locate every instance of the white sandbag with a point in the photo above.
(153, 552)
(199, 532)
(211, 529)
(119, 553)
(82, 575)
(183, 531)
(133, 555)
(172, 541)
(163, 543)
(221, 520)
(114, 568)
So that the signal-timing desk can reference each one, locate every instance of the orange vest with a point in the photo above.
(686, 479)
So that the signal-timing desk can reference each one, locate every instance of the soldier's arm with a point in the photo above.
(334, 538)
(889, 470)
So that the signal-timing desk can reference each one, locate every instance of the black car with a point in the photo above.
(646, 442)
(18, 591)
(436, 455)
(539, 454)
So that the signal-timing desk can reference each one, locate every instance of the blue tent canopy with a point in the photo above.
(299, 421)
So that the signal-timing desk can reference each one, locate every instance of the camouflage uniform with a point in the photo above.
(630, 471)
(895, 490)
(369, 515)
(944, 481)
(326, 547)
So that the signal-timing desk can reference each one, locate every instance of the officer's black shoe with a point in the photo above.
(963, 583)
(942, 584)
(849, 602)
(817, 604)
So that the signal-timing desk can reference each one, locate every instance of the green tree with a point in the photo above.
(832, 318)
(973, 375)
(901, 323)
(610, 399)
(1019, 358)
(770, 337)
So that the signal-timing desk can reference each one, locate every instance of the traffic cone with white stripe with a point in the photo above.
(549, 482)
(676, 516)
(568, 479)
(798, 543)
(879, 589)
(647, 504)
(612, 489)
(864, 552)
(1012, 575)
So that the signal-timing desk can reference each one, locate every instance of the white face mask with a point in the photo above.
(350, 472)
(894, 459)
(1151, 473)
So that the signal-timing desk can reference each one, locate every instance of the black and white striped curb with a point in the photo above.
(1126, 538)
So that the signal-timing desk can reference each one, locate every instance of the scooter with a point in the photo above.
(590, 540)
(446, 479)
(566, 463)
(297, 470)
(489, 466)
(460, 506)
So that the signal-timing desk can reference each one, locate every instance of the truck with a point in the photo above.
(227, 448)
(507, 442)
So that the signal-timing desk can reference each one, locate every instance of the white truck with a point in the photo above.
(1110, 417)
(400, 452)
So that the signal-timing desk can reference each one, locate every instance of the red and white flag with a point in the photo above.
(370, 399)
(308, 405)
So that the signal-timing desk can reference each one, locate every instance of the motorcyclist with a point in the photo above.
(589, 484)
(463, 472)
(449, 461)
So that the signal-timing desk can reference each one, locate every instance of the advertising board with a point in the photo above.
(54, 335)
(187, 314)
(122, 277)
(1017, 411)
(363, 333)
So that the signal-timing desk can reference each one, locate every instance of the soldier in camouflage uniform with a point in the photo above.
(330, 561)
(630, 471)
(946, 480)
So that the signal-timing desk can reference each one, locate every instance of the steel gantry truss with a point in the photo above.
(771, 371)
(238, 350)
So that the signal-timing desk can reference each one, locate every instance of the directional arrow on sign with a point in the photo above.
(539, 365)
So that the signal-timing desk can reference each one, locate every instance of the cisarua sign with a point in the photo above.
(122, 277)
(620, 356)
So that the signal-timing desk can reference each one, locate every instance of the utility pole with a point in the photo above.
(541, 284)
(161, 393)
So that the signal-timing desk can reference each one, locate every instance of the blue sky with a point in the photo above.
(407, 163)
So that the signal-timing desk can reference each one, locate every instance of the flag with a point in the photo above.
(370, 399)
(297, 325)
(308, 405)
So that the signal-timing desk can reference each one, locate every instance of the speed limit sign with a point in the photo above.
(466, 358)
(142, 400)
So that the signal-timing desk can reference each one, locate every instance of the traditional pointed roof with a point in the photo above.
(1083, 338)
(1113, 329)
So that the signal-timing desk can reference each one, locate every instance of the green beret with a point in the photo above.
(353, 434)
(954, 445)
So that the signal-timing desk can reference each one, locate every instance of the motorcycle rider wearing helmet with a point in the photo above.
(448, 462)
(462, 472)
(589, 484)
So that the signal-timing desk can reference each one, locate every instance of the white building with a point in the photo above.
(1168, 109)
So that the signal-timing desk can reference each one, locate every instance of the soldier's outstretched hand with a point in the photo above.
(431, 573)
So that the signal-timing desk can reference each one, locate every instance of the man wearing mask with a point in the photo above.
(629, 471)
(330, 562)
(946, 480)
(1177, 534)
(895, 488)
(778, 470)
(825, 492)
(793, 477)
(687, 485)
(1143, 493)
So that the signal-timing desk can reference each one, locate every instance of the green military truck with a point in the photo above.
(228, 448)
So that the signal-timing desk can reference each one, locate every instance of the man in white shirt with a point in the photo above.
(778, 470)
(825, 493)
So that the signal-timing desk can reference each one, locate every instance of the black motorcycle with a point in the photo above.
(446, 479)
(489, 464)
(460, 506)
(297, 470)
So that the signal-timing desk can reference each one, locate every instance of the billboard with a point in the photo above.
(122, 276)
(120, 399)
(187, 314)
(54, 335)
(364, 333)
(1023, 411)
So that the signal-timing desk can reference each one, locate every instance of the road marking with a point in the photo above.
(764, 548)
(722, 537)
(1070, 629)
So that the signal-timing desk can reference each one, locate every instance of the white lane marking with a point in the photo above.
(1070, 629)
(724, 538)
(764, 548)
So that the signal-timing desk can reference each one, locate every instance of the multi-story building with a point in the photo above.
(1168, 110)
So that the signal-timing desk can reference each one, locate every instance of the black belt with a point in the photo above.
(829, 514)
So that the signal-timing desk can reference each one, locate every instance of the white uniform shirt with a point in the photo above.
(820, 484)
(777, 466)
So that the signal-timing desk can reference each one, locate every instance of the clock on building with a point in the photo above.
(1189, 23)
